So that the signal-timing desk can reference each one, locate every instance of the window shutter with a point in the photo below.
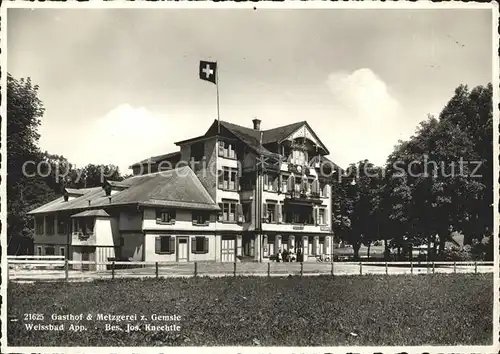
(221, 148)
(315, 246)
(205, 248)
(157, 244)
(220, 177)
(305, 245)
(291, 183)
(221, 212)
(264, 210)
(171, 244)
(193, 244)
(239, 213)
(315, 187)
(276, 213)
(279, 211)
(239, 243)
(304, 184)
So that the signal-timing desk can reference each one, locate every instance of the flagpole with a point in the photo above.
(217, 86)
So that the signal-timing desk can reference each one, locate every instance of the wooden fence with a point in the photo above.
(42, 268)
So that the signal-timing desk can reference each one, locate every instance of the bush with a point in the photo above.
(458, 254)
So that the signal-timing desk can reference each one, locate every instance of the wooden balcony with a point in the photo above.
(301, 197)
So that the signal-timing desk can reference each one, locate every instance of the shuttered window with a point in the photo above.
(199, 244)
(228, 179)
(49, 221)
(321, 218)
(229, 211)
(165, 216)
(39, 225)
(201, 218)
(271, 213)
(164, 245)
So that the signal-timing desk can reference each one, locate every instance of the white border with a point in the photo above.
(250, 6)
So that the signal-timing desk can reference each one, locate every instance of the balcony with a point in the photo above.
(304, 198)
(83, 239)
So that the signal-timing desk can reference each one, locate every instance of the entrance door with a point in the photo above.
(228, 250)
(182, 249)
(87, 255)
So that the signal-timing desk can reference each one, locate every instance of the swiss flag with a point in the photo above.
(208, 71)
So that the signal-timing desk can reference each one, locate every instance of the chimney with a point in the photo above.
(256, 124)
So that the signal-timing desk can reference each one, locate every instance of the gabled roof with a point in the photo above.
(252, 137)
(159, 158)
(179, 188)
(280, 133)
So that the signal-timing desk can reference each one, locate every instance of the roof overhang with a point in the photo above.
(194, 140)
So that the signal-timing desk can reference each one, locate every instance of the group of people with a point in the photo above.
(289, 255)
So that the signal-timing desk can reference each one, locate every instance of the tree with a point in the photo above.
(430, 187)
(24, 111)
(356, 205)
(35, 178)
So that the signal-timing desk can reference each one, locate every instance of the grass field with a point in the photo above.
(295, 311)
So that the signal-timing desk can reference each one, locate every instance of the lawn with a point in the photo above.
(295, 311)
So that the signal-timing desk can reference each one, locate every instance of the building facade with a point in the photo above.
(232, 194)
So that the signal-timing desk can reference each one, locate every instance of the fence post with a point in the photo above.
(269, 269)
(386, 268)
(360, 268)
(475, 266)
(455, 267)
(411, 266)
(332, 269)
(234, 271)
(195, 269)
(66, 269)
(113, 270)
(433, 267)
(156, 269)
(301, 268)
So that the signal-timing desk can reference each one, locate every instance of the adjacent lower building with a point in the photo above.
(232, 194)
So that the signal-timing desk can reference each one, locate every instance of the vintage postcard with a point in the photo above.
(299, 177)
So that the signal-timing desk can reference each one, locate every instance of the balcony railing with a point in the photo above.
(304, 196)
(83, 238)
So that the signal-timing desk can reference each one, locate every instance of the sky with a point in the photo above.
(120, 85)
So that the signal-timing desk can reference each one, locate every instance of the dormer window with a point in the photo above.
(112, 187)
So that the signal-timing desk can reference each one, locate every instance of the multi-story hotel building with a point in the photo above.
(232, 194)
